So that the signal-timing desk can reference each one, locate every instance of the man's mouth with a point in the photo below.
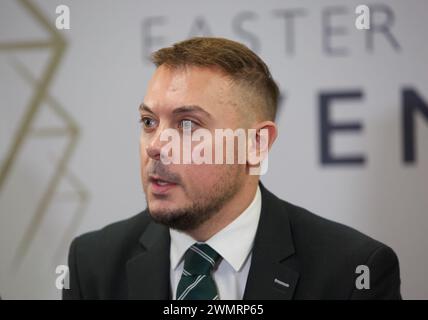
(160, 185)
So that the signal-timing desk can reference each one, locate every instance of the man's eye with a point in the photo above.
(148, 122)
(187, 124)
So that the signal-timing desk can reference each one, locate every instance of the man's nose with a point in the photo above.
(154, 148)
(153, 152)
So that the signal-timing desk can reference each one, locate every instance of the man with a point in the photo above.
(212, 230)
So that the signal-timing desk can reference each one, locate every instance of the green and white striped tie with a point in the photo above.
(196, 282)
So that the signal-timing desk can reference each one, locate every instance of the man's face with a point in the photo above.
(183, 196)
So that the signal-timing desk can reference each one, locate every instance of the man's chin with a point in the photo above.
(163, 206)
(175, 219)
(158, 212)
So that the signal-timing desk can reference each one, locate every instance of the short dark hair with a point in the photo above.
(235, 59)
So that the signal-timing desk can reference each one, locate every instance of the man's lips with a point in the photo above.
(160, 185)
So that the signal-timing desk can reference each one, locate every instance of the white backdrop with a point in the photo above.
(69, 130)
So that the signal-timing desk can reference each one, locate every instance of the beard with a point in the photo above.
(204, 206)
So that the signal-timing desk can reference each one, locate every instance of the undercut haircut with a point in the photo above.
(238, 62)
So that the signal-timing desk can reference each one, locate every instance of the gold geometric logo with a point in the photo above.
(69, 129)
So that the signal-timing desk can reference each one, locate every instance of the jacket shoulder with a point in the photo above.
(97, 259)
(334, 252)
(120, 236)
(327, 233)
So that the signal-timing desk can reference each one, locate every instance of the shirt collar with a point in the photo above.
(233, 243)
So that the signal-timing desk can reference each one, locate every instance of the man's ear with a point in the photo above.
(260, 139)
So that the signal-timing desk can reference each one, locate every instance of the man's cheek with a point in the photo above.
(203, 175)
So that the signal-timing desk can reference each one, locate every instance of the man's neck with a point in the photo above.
(228, 213)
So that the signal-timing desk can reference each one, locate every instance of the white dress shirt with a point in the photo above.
(234, 243)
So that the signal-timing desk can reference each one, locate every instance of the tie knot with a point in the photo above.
(200, 258)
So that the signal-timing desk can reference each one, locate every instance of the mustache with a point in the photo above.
(161, 170)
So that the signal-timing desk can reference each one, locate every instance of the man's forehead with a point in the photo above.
(187, 78)
(172, 88)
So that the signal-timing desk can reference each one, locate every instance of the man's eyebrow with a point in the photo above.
(191, 108)
(179, 110)
(144, 107)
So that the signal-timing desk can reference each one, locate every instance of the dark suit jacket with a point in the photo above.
(316, 257)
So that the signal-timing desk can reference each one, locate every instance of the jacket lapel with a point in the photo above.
(273, 273)
(148, 271)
